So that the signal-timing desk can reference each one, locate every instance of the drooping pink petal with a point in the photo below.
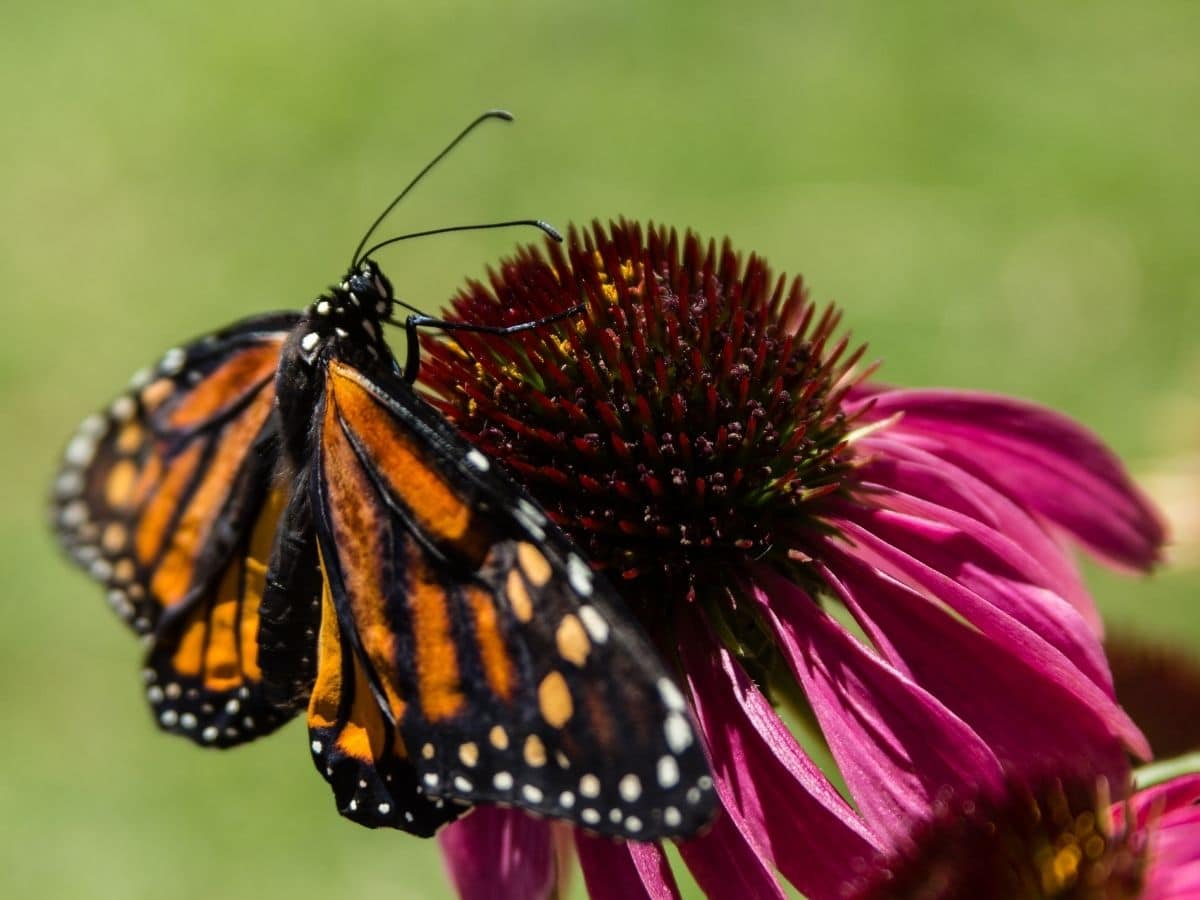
(500, 854)
(726, 866)
(910, 470)
(897, 747)
(1003, 614)
(1032, 724)
(989, 564)
(624, 871)
(1043, 459)
(776, 795)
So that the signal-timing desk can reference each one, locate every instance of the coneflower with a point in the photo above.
(1049, 838)
(711, 438)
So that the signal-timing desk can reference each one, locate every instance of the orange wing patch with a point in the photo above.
(404, 466)
(203, 674)
(143, 484)
(356, 748)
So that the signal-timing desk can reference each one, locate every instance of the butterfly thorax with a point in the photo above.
(344, 323)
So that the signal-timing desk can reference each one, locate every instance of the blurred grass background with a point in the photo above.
(1003, 197)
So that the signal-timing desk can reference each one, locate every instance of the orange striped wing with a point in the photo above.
(500, 668)
(165, 498)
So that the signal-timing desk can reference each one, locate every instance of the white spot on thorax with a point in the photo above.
(323, 308)
(309, 341)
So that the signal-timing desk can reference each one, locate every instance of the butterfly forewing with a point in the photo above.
(167, 499)
(513, 674)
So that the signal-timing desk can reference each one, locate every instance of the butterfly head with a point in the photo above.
(348, 317)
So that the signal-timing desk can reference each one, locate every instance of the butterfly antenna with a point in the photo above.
(479, 120)
(544, 227)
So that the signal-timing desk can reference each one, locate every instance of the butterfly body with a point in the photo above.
(294, 527)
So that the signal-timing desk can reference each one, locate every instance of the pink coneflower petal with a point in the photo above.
(897, 747)
(760, 769)
(1036, 625)
(614, 871)
(938, 546)
(500, 854)
(1049, 463)
(920, 638)
(1177, 793)
(909, 469)
(726, 865)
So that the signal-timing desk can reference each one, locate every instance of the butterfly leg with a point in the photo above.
(412, 361)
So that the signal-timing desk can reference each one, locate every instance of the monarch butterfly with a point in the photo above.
(289, 525)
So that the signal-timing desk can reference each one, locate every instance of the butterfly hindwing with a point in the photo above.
(513, 673)
(167, 499)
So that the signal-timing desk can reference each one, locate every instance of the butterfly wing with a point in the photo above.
(508, 671)
(166, 498)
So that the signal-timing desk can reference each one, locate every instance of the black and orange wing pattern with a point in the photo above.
(489, 664)
(167, 499)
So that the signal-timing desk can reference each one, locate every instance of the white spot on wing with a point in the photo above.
(80, 450)
(668, 772)
(123, 408)
(596, 627)
(173, 361)
(478, 460)
(678, 733)
(670, 694)
(630, 787)
(531, 517)
(532, 793)
(580, 575)
(502, 781)
(589, 785)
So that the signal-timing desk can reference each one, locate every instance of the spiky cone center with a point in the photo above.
(687, 422)
(1053, 839)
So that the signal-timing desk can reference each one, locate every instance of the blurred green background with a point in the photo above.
(1001, 197)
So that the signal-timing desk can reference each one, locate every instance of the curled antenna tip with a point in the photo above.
(550, 230)
(499, 114)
